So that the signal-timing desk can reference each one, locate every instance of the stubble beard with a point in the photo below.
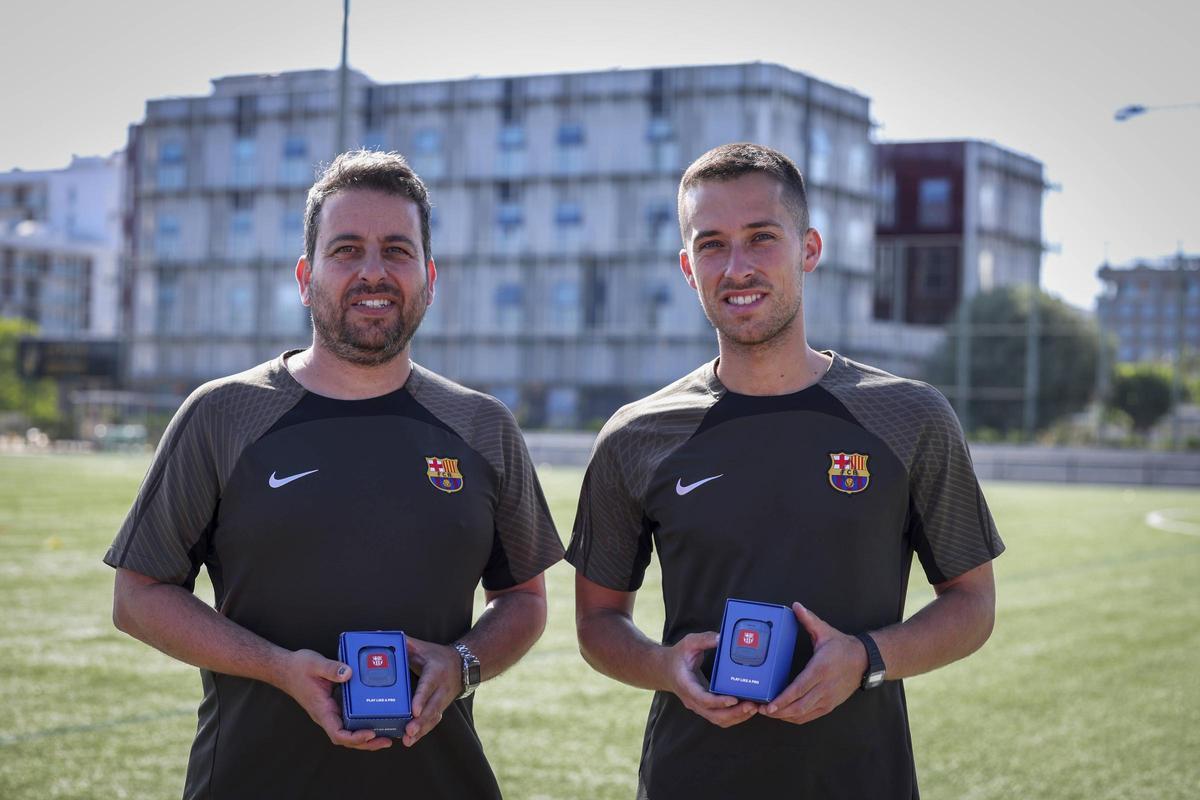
(369, 343)
(770, 332)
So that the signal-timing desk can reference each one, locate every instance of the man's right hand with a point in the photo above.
(682, 660)
(309, 678)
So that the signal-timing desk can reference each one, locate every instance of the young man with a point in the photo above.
(780, 474)
(333, 489)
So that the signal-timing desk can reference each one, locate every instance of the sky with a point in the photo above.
(1041, 78)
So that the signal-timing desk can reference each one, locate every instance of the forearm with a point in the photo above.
(612, 644)
(178, 623)
(952, 626)
(507, 628)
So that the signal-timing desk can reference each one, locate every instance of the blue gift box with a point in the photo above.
(377, 696)
(754, 657)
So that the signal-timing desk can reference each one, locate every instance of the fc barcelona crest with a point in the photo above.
(443, 473)
(848, 472)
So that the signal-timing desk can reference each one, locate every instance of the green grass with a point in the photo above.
(1087, 689)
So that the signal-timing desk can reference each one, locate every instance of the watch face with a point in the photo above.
(872, 680)
(473, 673)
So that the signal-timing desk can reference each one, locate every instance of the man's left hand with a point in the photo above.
(832, 674)
(440, 669)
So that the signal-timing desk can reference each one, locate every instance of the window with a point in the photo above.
(167, 306)
(167, 237)
(561, 404)
(244, 153)
(291, 233)
(885, 199)
(570, 147)
(511, 158)
(664, 150)
(858, 167)
(295, 167)
(661, 225)
(570, 134)
(564, 306)
(885, 282)
(568, 214)
(568, 224)
(172, 167)
(288, 314)
(933, 203)
(512, 136)
(509, 306)
(241, 226)
(820, 154)
(428, 159)
(658, 297)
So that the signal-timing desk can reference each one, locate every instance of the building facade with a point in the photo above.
(555, 229)
(59, 242)
(952, 219)
(1151, 307)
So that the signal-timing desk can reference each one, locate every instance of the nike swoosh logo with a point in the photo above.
(275, 483)
(681, 490)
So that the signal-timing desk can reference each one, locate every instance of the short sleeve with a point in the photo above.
(526, 541)
(174, 506)
(610, 541)
(951, 525)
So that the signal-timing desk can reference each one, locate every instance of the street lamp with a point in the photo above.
(1136, 110)
(1121, 115)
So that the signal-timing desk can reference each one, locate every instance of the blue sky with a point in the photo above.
(1041, 78)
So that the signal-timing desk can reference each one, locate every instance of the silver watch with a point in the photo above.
(471, 673)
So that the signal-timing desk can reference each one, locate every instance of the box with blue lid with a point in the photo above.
(754, 656)
(377, 696)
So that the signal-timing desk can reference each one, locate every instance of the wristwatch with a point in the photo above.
(471, 674)
(873, 674)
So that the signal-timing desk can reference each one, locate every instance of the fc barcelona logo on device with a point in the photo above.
(848, 472)
(443, 473)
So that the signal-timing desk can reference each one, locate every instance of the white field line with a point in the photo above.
(1166, 520)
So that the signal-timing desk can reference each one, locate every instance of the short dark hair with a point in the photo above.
(366, 169)
(731, 161)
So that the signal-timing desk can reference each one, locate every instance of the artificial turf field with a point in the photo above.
(1089, 687)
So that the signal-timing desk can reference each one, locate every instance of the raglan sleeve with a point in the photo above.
(610, 543)
(165, 532)
(526, 542)
(950, 522)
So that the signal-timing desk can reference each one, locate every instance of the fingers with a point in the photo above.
(816, 627)
(358, 740)
(719, 709)
(439, 684)
(419, 726)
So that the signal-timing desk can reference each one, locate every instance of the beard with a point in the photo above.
(367, 342)
(775, 320)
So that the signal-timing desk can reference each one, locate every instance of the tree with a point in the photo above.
(36, 400)
(1068, 350)
(1143, 391)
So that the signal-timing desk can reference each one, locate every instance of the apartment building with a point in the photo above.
(59, 241)
(1152, 307)
(554, 224)
(952, 219)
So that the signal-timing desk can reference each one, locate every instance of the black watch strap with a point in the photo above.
(875, 671)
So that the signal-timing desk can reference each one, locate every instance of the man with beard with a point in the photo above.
(778, 474)
(339, 488)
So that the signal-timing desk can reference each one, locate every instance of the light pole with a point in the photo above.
(343, 80)
(1128, 112)
(1121, 115)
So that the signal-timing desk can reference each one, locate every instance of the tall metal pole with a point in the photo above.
(1032, 357)
(1180, 346)
(343, 80)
